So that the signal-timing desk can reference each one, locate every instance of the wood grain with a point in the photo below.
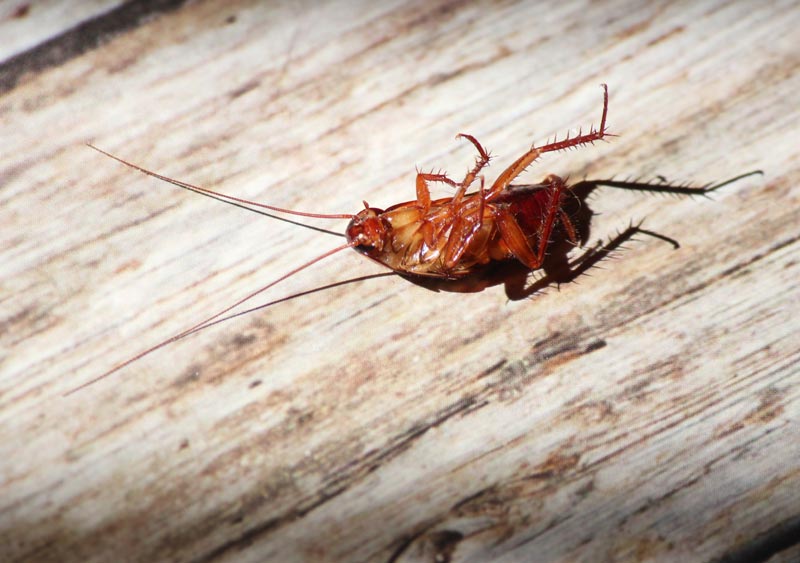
(648, 412)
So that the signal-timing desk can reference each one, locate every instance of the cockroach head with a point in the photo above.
(367, 230)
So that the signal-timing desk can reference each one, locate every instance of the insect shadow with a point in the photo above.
(558, 267)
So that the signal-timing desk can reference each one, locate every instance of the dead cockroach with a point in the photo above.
(447, 238)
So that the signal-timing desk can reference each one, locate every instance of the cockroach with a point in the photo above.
(447, 238)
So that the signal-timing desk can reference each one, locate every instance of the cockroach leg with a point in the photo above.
(566, 222)
(557, 186)
(510, 173)
(465, 226)
(424, 193)
(480, 162)
(514, 238)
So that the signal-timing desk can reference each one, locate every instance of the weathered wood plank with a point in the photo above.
(648, 412)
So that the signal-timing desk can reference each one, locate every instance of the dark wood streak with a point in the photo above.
(81, 39)
(345, 477)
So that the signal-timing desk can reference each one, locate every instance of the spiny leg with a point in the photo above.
(553, 208)
(423, 193)
(592, 136)
(510, 173)
(480, 162)
(463, 230)
(566, 222)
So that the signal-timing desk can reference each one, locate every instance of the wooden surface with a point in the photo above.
(648, 412)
